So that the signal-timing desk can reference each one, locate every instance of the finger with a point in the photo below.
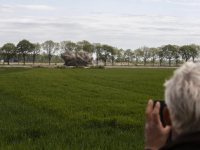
(167, 129)
(155, 113)
(149, 110)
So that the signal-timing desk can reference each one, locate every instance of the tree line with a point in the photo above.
(103, 52)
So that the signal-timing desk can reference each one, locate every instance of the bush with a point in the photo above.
(78, 67)
(40, 66)
(97, 67)
(62, 66)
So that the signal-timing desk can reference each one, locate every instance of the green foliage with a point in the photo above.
(169, 52)
(86, 46)
(154, 54)
(24, 47)
(187, 51)
(108, 52)
(51, 48)
(138, 54)
(40, 66)
(68, 46)
(62, 66)
(128, 54)
(120, 55)
(77, 67)
(76, 108)
(146, 53)
(194, 51)
(97, 50)
(8, 51)
(35, 50)
(97, 67)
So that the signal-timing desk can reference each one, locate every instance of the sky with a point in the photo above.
(127, 24)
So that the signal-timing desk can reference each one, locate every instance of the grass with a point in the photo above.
(76, 109)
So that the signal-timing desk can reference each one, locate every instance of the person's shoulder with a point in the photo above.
(190, 141)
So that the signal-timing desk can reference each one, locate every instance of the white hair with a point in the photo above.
(182, 96)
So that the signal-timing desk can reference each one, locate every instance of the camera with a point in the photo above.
(162, 106)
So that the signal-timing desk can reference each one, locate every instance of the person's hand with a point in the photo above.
(155, 134)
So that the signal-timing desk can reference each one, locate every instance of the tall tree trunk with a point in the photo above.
(144, 61)
(18, 59)
(97, 60)
(49, 58)
(8, 61)
(153, 61)
(121, 62)
(169, 61)
(33, 59)
(128, 61)
(24, 60)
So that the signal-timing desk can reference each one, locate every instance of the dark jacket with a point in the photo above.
(189, 141)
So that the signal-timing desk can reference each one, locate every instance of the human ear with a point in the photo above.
(166, 115)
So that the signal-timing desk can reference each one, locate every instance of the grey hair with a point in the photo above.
(182, 96)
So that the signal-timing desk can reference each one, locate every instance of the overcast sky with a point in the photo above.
(120, 23)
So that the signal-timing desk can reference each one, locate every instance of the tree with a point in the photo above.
(86, 46)
(113, 53)
(8, 51)
(51, 48)
(194, 51)
(97, 50)
(120, 54)
(138, 54)
(105, 55)
(67, 45)
(18, 54)
(185, 52)
(176, 54)
(160, 55)
(169, 52)
(146, 53)
(153, 54)
(24, 48)
(128, 54)
(35, 50)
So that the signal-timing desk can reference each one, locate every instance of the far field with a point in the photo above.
(76, 109)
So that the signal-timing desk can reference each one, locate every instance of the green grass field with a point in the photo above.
(76, 109)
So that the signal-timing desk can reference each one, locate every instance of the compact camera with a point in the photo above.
(162, 106)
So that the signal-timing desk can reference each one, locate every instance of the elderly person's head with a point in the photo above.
(182, 96)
